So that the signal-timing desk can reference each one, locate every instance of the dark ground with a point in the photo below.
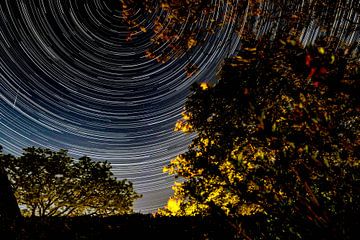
(120, 227)
(138, 226)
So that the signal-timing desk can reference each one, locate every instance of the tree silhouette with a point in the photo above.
(48, 183)
(182, 25)
(275, 139)
(9, 209)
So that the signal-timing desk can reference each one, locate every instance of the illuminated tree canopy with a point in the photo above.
(277, 138)
(48, 183)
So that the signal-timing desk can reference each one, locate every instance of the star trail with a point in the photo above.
(71, 79)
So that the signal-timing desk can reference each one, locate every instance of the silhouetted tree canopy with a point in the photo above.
(277, 138)
(9, 209)
(49, 183)
(181, 25)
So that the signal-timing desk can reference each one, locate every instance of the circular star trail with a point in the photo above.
(70, 79)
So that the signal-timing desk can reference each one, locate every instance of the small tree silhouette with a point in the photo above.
(49, 183)
(9, 209)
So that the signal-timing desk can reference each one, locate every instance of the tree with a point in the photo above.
(48, 183)
(276, 139)
(9, 209)
(181, 25)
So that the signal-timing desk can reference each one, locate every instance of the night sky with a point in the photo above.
(71, 80)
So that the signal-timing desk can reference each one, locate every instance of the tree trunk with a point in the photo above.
(9, 209)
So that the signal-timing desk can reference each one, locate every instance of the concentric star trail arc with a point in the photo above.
(70, 79)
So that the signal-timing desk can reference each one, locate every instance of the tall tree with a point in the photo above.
(277, 139)
(48, 183)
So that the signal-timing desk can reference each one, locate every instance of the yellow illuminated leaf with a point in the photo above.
(204, 86)
(191, 43)
(250, 49)
(321, 50)
(173, 205)
(332, 59)
(165, 6)
(185, 116)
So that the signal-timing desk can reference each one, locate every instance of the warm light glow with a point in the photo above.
(204, 86)
(173, 205)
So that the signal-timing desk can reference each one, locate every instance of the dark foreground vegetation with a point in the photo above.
(137, 226)
(276, 156)
(276, 152)
(134, 226)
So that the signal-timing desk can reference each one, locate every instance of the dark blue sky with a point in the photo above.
(69, 79)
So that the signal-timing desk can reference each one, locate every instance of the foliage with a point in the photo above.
(48, 183)
(178, 26)
(168, 24)
(278, 138)
(133, 226)
(9, 209)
